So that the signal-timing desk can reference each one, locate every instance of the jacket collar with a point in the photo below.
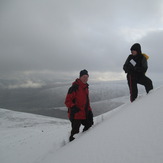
(80, 83)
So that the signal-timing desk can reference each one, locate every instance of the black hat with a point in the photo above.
(136, 47)
(83, 72)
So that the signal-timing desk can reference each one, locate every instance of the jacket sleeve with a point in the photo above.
(144, 66)
(125, 67)
(70, 98)
(89, 107)
(128, 67)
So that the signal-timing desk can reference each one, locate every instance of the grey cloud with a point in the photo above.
(153, 47)
(66, 36)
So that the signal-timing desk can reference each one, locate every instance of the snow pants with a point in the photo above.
(76, 123)
(133, 80)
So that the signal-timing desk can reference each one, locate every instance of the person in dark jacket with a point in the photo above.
(78, 104)
(136, 67)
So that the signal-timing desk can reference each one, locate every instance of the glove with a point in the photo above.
(73, 110)
(131, 67)
(128, 68)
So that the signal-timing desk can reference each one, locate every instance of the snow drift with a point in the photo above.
(132, 133)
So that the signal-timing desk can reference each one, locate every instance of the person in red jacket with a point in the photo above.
(78, 104)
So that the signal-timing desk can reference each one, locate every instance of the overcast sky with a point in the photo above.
(58, 38)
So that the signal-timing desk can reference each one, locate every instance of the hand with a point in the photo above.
(74, 109)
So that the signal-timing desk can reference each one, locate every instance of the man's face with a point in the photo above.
(134, 52)
(84, 78)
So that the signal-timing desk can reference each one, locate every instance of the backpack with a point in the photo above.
(146, 56)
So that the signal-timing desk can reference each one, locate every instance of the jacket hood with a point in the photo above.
(79, 82)
(136, 47)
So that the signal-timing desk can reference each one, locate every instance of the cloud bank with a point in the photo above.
(56, 39)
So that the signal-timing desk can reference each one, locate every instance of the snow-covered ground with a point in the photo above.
(131, 133)
(25, 138)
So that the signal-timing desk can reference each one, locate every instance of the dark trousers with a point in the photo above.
(133, 80)
(76, 123)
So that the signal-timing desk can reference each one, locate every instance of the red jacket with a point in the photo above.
(78, 99)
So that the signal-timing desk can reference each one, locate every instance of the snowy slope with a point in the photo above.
(132, 133)
(25, 138)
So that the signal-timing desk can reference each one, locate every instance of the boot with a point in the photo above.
(71, 138)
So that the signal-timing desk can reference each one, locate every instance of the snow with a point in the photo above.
(131, 133)
(25, 138)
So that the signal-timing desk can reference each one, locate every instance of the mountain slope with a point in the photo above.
(131, 133)
(26, 138)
